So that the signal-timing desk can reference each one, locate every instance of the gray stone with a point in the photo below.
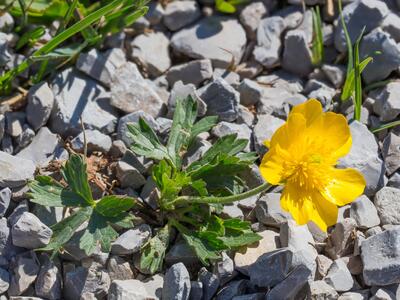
(132, 240)
(295, 236)
(372, 231)
(319, 90)
(119, 269)
(268, 48)
(292, 286)
(15, 171)
(17, 212)
(117, 149)
(354, 296)
(176, 283)
(364, 213)
(122, 130)
(292, 15)
(30, 233)
(150, 51)
(48, 215)
(101, 65)
(336, 74)
(181, 252)
(278, 263)
(341, 240)
(363, 156)
(45, 147)
(354, 16)
(391, 25)
(94, 280)
(383, 63)
(296, 54)
(181, 92)
(212, 38)
(4, 280)
(5, 197)
(130, 92)
(79, 97)
(40, 104)
(49, 280)
(226, 128)
(196, 151)
(269, 211)
(277, 100)
(255, 296)
(387, 202)
(155, 13)
(24, 269)
(387, 103)
(320, 290)
(25, 138)
(6, 22)
(231, 77)
(245, 116)
(394, 181)
(250, 92)
(224, 269)
(96, 141)
(179, 14)
(150, 289)
(232, 289)
(129, 176)
(15, 122)
(339, 276)
(210, 283)
(251, 16)
(391, 153)
(194, 72)
(247, 257)
(323, 265)
(380, 255)
(221, 99)
(264, 129)
(196, 290)
(383, 294)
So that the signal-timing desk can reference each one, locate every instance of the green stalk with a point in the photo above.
(348, 40)
(386, 126)
(221, 200)
(357, 79)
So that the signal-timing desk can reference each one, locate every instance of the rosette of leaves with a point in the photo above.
(100, 215)
(190, 196)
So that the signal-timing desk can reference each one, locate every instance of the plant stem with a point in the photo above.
(221, 200)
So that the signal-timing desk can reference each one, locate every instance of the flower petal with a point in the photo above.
(289, 132)
(311, 110)
(271, 167)
(344, 187)
(311, 206)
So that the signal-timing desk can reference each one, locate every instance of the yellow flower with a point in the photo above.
(302, 156)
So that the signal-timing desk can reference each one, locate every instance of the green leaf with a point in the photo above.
(30, 36)
(349, 86)
(153, 252)
(113, 206)
(47, 192)
(98, 231)
(386, 126)
(75, 174)
(239, 240)
(146, 142)
(225, 7)
(204, 125)
(236, 224)
(200, 186)
(318, 39)
(65, 229)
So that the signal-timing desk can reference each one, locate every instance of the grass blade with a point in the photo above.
(318, 39)
(357, 79)
(348, 40)
(386, 126)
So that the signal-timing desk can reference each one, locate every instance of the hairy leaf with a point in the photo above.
(113, 206)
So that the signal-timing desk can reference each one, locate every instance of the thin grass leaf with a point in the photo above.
(349, 87)
(30, 37)
(386, 126)
(357, 79)
(377, 85)
(349, 44)
(318, 39)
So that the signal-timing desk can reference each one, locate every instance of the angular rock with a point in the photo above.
(391, 25)
(176, 283)
(391, 153)
(25, 138)
(5, 198)
(40, 104)
(363, 156)
(210, 283)
(230, 77)
(221, 99)
(335, 74)
(150, 51)
(6, 22)
(101, 65)
(179, 14)
(323, 265)
(383, 63)
(341, 240)
(181, 252)
(15, 171)
(296, 54)
(245, 116)
(96, 141)
(354, 15)
(132, 240)
(232, 289)
(129, 176)
(119, 269)
(131, 93)
(268, 49)
(250, 92)
(226, 128)
(295, 236)
(320, 290)
(278, 263)
(24, 269)
(194, 72)
(387, 202)
(136, 289)
(339, 276)
(224, 269)
(79, 97)
(293, 285)
(269, 211)
(354, 295)
(251, 16)
(212, 38)
(45, 147)
(4, 280)
(15, 123)
(383, 294)
(380, 255)
(196, 290)
(387, 103)
(263, 131)
(49, 280)
(181, 92)
(364, 213)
